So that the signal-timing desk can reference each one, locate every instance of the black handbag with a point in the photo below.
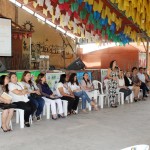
(35, 96)
(7, 106)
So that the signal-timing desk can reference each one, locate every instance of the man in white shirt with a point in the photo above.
(143, 86)
(141, 75)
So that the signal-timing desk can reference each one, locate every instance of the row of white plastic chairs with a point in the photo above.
(99, 95)
(46, 111)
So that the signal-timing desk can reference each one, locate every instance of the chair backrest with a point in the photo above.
(106, 85)
(137, 147)
(98, 85)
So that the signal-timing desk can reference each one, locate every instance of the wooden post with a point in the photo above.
(147, 56)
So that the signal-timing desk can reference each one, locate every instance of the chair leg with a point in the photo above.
(131, 97)
(17, 116)
(0, 119)
(122, 98)
(30, 119)
(47, 111)
(44, 110)
(65, 107)
(21, 114)
(101, 99)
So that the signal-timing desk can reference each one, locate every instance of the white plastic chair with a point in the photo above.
(46, 109)
(20, 117)
(137, 147)
(65, 107)
(1, 121)
(98, 85)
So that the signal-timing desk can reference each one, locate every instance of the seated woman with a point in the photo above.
(87, 86)
(77, 91)
(34, 93)
(64, 93)
(7, 114)
(122, 87)
(130, 85)
(19, 97)
(147, 78)
(48, 94)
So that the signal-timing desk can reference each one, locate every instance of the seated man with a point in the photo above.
(141, 77)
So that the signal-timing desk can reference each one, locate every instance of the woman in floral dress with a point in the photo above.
(112, 75)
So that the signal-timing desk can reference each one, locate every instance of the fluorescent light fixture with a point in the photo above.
(16, 3)
(28, 10)
(60, 29)
(70, 35)
(87, 48)
(13, 1)
(39, 17)
(50, 23)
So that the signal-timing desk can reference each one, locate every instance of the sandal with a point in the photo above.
(74, 112)
(69, 113)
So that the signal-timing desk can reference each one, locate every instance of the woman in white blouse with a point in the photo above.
(121, 85)
(77, 91)
(33, 93)
(19, 97)
(6, 113)
(87, 85)
(65, 94)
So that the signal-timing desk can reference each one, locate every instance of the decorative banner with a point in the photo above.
(40, 2)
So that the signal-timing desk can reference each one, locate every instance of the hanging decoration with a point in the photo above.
(94, 20)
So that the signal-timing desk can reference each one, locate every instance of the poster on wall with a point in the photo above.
(52, 79)
(80, 76)
(142, 60)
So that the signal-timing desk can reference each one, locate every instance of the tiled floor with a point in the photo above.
(108, 129)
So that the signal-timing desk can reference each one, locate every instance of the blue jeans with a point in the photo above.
(84, 97)
(39, 103)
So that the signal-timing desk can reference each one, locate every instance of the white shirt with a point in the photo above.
(30, 88)
(15, 97)
(121, 82)
(59, 85)
(141, 76)
(73, 86)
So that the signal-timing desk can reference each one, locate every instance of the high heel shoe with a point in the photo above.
(60, 116)
(113, 106)
(27, 124)
(9, 130)
(4, 130)
(54, 118)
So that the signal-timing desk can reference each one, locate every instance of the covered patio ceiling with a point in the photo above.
(120, 21)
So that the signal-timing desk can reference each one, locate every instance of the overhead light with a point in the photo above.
(13, 1)
(60, 29)
(70, 35)
(87, 48)
(50, 23)
(28, 10)
(39, 17)
(16, 3)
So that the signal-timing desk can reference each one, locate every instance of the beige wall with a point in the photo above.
(7, 9)
(43, 32)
